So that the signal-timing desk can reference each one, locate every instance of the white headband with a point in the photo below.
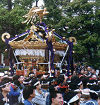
(1, 74)
(38, 82)
(75, 98)
(86, 93)
(80, 83)
(5, 84)
(27, 82)
(91, 83)
(92, 91)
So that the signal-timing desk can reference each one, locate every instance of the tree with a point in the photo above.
(26, 4)
(10, 4)
(54, 15)
(80, 19)
(11, 17)
(10, 21)
(83, 24)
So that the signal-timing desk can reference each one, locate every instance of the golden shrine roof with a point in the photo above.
(36, 45)
(36, 33)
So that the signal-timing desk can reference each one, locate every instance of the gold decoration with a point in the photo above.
(53, 39)
(41, 13)
(32, 34)
(50, 35)
(72, 39)
(63, 38)
(36, 45)
(40, 34)
(30, 16)
(7, 35)
(33, 27)
(28, 37)
(33, 13)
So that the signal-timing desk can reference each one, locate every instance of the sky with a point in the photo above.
(40, 3)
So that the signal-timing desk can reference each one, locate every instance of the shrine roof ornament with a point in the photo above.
(33, 13)
(36, 36)
(38, 33)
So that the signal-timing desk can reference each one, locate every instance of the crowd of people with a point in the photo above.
(80, 88)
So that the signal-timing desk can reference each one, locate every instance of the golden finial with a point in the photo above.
(50, 35)
(63, 38)
(72, 39)
(33, 13)
(7, 35)
(41, 13)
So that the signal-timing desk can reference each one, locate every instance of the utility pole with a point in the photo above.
(9, 4)
(37, 3)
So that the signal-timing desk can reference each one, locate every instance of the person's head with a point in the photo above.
(29, 92)
(5, 87)
(16, 77)
(89, 68)
(93, 71)
(1, 76)
(6, 79)
(94, 95)
(51, 89)
(85, 81)
(86, 72)
(37, 85)
(73, 86)
(80, 85)
(94, 77)
(60, 79)
(82, 71)
(74, 100)
(56, 98)
(86, 94)
(15, 85)
(21, 79)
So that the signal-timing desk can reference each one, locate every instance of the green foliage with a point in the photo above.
(24, 3)
(83, 23)
(10, 21)
(84, 26)
(54, 15)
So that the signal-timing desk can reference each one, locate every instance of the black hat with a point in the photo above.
(93, 94)
(35, 82)
(71, 97)
(75, 85)
(27, 81)
(91, 83)
(3, 84)
(40, 75)
(95, 88)
(76, 80)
